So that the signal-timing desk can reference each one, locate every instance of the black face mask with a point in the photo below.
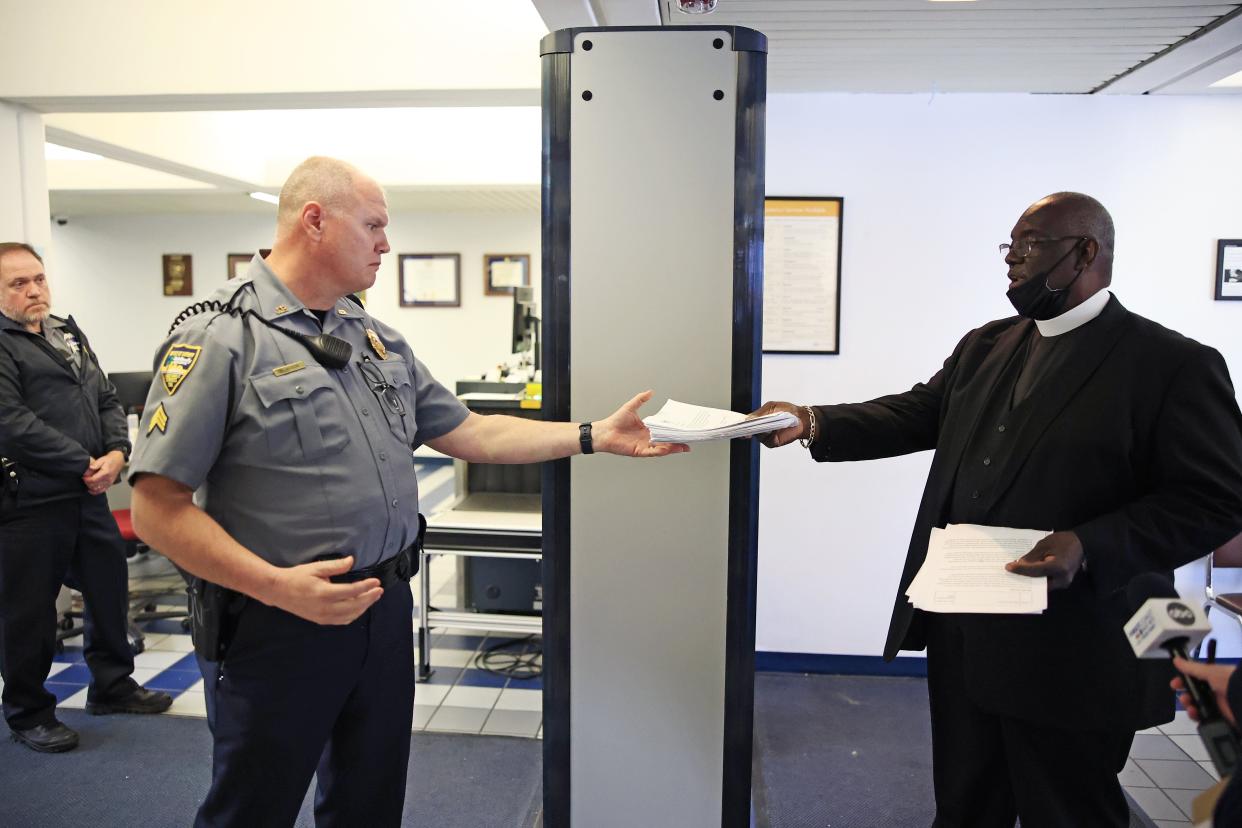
(1033, 298)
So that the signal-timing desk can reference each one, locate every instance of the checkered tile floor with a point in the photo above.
(459, 697)
(1168, 768)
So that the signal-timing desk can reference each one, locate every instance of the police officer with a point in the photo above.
(308, 507)
(64, 440)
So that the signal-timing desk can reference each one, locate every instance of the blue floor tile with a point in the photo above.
(71, 655)
(454, 641)
(78, 674)
(481, 678)
(62, 691)
(444, 675)
(173, 681)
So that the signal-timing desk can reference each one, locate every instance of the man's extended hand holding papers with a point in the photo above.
(965, 572)
(679, 422)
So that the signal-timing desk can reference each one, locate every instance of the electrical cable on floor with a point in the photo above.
(499, 660)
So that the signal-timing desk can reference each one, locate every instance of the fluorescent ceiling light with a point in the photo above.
(268, 197)
(1233, 80)
(55, 152)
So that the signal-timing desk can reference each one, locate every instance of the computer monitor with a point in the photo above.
(525, 322)
(131, 389)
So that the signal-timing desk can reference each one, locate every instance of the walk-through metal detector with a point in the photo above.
(653, 149)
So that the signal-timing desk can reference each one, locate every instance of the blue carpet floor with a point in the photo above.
(153, 771)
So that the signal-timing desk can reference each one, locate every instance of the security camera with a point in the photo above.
(696, 6)
(61, 220)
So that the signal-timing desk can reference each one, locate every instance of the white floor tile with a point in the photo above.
(1181, 725)
(475, 697)
(1157, 746)
(1211, 770)
(189, 704)
(144, 674)
(458, 719)
(57, 666)
(430, 694)
(75, 702)
(158, 659)
(174, 644)
(422, 715)
(1133, 777)
(1192, 746)
(152, 640)
(513, 723)
(529, 700)
(444, 657)
(1154, 803)
(1172, 774)
(1182, 799)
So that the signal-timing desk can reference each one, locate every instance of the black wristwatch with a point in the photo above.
(584, 438)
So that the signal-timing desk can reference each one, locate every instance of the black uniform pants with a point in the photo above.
(291, 698)
(989, 770)
(73, 541)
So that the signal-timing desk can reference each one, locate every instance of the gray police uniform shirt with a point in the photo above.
(294, 460)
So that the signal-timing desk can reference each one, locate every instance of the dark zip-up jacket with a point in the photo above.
(53, 420)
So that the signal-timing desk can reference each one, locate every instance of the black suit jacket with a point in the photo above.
(1135, 445)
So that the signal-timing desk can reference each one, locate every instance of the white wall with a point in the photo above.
(931, 186)
(106, 271)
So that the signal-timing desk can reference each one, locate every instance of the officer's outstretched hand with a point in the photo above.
(783, 436)
(624, 433)
(307, 592)
(1058, 556)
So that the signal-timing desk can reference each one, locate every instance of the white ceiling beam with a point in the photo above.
(365, 99)
(65, 138)
(566, 14)
(1212, 44)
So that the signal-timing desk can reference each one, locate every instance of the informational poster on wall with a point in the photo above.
(802, 275)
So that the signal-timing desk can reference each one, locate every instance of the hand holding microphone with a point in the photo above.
(1164, 625)
(1216, 676)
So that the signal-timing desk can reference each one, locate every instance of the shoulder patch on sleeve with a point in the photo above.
(158, 420)
(177, 365)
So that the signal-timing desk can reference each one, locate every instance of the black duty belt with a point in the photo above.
(400, 568)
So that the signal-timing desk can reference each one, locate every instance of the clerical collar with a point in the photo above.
(1075, 317)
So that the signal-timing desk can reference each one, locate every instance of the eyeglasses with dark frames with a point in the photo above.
(382, 388)
(1022, 247)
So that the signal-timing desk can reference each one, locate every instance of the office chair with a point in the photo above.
(1228, 556)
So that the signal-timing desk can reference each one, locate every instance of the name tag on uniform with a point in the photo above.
(288, 369)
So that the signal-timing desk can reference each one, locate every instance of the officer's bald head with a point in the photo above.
(329, 182)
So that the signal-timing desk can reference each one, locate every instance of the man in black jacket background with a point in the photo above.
(64, 441)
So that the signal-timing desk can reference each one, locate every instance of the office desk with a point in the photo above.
(483, 525)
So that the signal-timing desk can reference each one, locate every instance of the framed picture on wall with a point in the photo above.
(802, 274)
(178, 274)
(238, 262)
(502, 272)
(429, 280)
(1229, 269)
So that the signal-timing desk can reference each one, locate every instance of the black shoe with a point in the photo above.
(47, 738)
(141, 700)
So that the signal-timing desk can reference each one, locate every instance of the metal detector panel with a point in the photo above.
(649, 299)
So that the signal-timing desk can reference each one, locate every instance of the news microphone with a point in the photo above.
(1165, 625)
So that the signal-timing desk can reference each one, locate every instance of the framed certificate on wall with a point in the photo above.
(430, 280)
(802, 274)
(502, 272)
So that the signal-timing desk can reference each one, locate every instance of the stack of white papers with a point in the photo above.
(679, 422)
(965, 572)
